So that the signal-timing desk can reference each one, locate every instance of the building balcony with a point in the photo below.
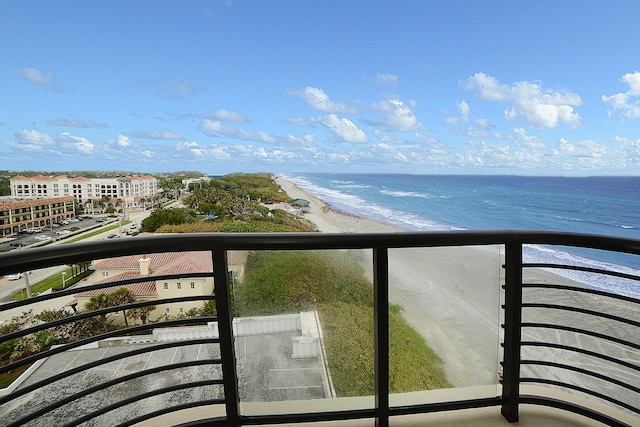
(519, 341)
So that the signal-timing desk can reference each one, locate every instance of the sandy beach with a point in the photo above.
(456, 315)
(452, 297)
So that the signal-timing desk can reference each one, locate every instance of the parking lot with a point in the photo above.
(58, 231)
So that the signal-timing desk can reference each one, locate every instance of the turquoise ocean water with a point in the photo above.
(595, 205)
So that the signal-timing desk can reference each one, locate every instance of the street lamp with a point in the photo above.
(64, 273)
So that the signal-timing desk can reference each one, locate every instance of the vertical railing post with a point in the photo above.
(381, 334)
(512, 331)
(225, 327)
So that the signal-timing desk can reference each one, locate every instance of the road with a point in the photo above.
(10, 287)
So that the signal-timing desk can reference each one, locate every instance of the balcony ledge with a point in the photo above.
(529, 415)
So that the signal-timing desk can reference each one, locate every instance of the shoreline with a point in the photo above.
(451, 296)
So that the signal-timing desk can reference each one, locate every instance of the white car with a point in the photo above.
(17, 276)
(61, 232)
(42, 238)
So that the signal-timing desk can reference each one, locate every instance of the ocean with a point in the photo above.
(594, 205)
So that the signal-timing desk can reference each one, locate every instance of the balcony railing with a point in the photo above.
(547, 328)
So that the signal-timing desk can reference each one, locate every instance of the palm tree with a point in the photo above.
(98, 302)
(121, 296)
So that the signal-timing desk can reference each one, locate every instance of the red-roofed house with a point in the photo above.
(145, 268)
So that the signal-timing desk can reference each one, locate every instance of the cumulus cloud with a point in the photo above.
(123, 141)
(587, 149)
(214, 126)
(627, 102)
(397, 115)
(78, 143)
(527, 141)
(464, 109)
(540, 108)
(36, 76)
(384, 79)
(156, 134)
(343, 128)
(318, 100)
(31, 141)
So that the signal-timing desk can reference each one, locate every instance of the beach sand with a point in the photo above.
(449, 295)
(452, 298)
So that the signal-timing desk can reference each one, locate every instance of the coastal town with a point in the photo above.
(287, 350)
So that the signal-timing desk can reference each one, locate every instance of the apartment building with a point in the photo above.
(17, 215)
(130, 188)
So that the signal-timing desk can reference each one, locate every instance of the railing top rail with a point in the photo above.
(83, 251)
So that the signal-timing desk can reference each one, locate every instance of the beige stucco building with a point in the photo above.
(127, 188)
(17, 215)
(146, 268)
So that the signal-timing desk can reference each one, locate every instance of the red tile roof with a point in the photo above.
(198, 261)
(36, 202)
(140, 289)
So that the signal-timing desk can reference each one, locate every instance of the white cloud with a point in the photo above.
(384, 79)
(464, 109)
(227, 116)
(78, 143)
(587, 149)
(527, 141)
(31, 140)
(344, 128)
(318, 100)
(398, 116)
(217, 127)
(259, 136)
(36, 76)
(123, 141)
(541, 108)
(623, 101)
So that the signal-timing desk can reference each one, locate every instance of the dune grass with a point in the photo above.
(331, 281)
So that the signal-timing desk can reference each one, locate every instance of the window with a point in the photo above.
(105, 274)
(166, 286)
(167, 310)
(179, 285)
(193, 285)
(181, 310)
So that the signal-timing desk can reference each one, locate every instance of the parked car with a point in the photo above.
(16, 244)
(100, 219)
(34, 230)
(64, 222)
(112, 236)
(62, 232)
(42, 238)
(17, 276)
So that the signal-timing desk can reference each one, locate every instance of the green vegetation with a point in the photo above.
(162, 216)
(280, 282)
(237, 203)
(5, 184)
(73, 275)
(99, 231)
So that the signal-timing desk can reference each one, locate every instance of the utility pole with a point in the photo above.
(26, 283)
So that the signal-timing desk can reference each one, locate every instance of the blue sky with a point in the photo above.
(540, 87)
